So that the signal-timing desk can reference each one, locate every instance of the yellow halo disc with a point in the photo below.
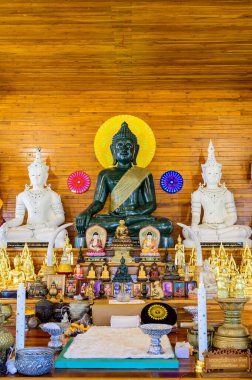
(144, 134)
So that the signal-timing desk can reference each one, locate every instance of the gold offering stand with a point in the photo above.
(232, 334)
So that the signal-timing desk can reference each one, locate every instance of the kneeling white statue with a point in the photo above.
(44, 207)
(218, 224)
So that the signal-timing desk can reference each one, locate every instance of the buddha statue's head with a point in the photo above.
(124, 147)
(211, 170)
(38, 171)
(17, 262)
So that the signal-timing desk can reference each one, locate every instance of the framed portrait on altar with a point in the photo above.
(83, 285)
(97, 286)
(190, 288)
(148, 287)
(59, 280)
(178, 288)
(127, 288)
(108, 289)
(167, 287)
(136, 289)
(71, 287)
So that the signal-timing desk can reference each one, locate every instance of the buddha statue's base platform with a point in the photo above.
(119, 253)
(145, 259)
(90, 259)
(225, 244)
(31, 244)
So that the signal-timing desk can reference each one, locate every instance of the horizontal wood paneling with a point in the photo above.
(184, 67)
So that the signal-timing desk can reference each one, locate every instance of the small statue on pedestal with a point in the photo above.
(96, 237)
(154, 273)
(180, 257)
(16, 275)
(149, 238)
(142, 275)
(105, 275)
(122, 238)
(121, 274)
(91, 275)
(66, 260)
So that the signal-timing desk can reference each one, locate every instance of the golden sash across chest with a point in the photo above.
(129, 182)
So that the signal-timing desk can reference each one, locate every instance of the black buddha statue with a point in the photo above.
(132, 193)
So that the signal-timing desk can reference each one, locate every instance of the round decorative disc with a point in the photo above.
(143, 132)
(158, 312)
(171, 182)
(78, 182)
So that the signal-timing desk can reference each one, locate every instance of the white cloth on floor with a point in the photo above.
(105, 342)
(123, 321)
(131, 302)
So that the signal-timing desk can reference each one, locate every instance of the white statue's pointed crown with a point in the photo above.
(38, 161)
(211, 161)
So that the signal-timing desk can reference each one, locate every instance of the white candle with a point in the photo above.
(20, 319)
(202, 319)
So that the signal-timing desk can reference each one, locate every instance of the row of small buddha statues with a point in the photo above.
(221, 275)
(132, 199)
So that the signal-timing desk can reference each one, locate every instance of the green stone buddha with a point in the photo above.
(132, 192)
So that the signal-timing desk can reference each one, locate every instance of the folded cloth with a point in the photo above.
(115, 302)
(124, 321)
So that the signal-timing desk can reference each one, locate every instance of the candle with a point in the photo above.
(202, 319)
(20, 319)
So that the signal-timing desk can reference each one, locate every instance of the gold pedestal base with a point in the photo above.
(232, 334)
(241, 343)
(118, 255)
(49, 270)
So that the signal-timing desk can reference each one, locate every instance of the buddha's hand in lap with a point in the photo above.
(82, 222)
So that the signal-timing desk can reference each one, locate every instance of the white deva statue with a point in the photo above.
(44, 207)
(218, 224)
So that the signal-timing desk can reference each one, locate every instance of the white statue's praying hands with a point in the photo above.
(44, 207)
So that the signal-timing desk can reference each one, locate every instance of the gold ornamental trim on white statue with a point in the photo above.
(129, 182)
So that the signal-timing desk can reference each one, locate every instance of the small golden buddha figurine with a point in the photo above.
(222, 287)
(180, 253)
(246, 257)
(239, 286)
(91, 272)
(122, 238)
(28, 269)
(213, 261)
(192, 262)
(4, 266)
(105, 275)
(90, 292)
(248, 278)
(25, 253)
(66, 260)
(232, 267)
(16, 275)
(142, 275)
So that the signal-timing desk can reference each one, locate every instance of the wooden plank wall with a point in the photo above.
(184, 67)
